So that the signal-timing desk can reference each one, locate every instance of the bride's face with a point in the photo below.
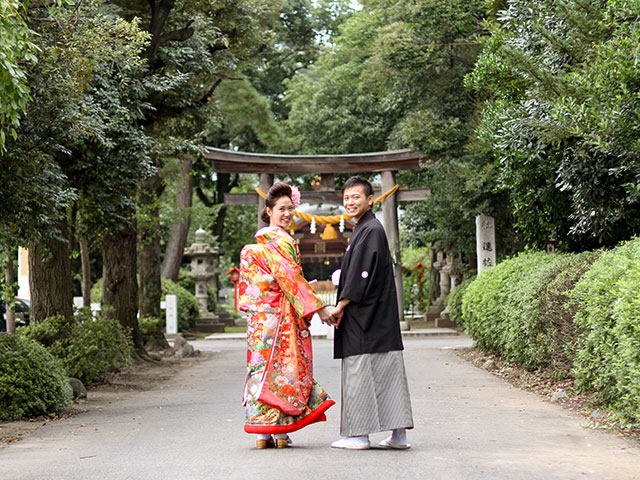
(282, 213)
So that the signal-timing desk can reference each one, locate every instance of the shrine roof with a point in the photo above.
(228, 161)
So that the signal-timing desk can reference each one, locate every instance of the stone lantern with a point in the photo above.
(452, 268)
(445, 280)
(204, 270)
(436, 307)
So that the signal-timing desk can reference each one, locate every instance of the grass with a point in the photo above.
(235, 329)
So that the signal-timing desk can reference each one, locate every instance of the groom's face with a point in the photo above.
(356, 202)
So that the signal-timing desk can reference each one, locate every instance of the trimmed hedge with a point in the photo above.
(454, 300)
(88, 348)
(576, 314)
(32, 381)
(503, 308)
(608, 318)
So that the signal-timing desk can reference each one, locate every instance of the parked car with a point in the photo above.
(23, 309)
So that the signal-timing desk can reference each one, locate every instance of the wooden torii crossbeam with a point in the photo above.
(385, 163)
(228, 161)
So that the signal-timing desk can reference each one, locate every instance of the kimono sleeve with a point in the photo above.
(288, 273)
(252, 270)
(362, 272)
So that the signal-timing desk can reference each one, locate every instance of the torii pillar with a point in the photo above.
(390, 218)
(266, 182)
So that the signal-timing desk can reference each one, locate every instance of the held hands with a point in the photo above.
(326, 317)
(337, 314)
(334, 317)
(338, 311)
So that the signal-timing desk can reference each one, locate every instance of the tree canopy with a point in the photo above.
(560, 117)
(395, 79)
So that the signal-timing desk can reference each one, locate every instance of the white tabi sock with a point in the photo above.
(399, 436)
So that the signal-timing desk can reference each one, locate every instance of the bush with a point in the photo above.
(557, 312)
(32, 381)
(608, 319)
(186, 281)
(578, 313)
(501, 308)
(148, 327)
(188, 305)
(454, 300)
(88, 348)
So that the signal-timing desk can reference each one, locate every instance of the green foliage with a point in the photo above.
(560, 80)
(460, 189)
(608, 320)
(557, 311)
(246, 119)
(575, 313)
(78, 139)
(454, 300)
(32, 381)
(188, 305)
(416, 289)
(411, 256)
(501, 308)
(395, 79)
(303, 28)
(330, 112)
(89, 348)
(149, 326)
(16, 48)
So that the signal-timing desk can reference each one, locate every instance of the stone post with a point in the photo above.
(485, 242)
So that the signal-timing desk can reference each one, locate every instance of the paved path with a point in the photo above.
(469, 425)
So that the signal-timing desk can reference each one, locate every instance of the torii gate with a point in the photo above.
(386, 163)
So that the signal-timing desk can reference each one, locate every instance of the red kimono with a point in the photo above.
(280, 393)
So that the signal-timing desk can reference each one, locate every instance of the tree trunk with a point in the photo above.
(120, 285)
(180, 227)
(50, 277)
(150, 280)
(9, 281)
(86, 273)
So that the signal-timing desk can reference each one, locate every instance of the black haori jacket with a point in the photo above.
(370, 323)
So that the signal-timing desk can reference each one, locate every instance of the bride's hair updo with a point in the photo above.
(278, 190)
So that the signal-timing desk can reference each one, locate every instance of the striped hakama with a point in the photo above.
(375, 394)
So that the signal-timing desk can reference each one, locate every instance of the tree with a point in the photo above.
(24, 217)
(330, 111)
(194, 46)
(17, 49)
(303, 29)
(395, 79)
(65, 134)
(251, 109)
(180, 226)
(561, 86)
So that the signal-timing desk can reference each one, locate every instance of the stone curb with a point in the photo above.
(423, 332)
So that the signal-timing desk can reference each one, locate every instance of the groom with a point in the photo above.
(375, 393)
